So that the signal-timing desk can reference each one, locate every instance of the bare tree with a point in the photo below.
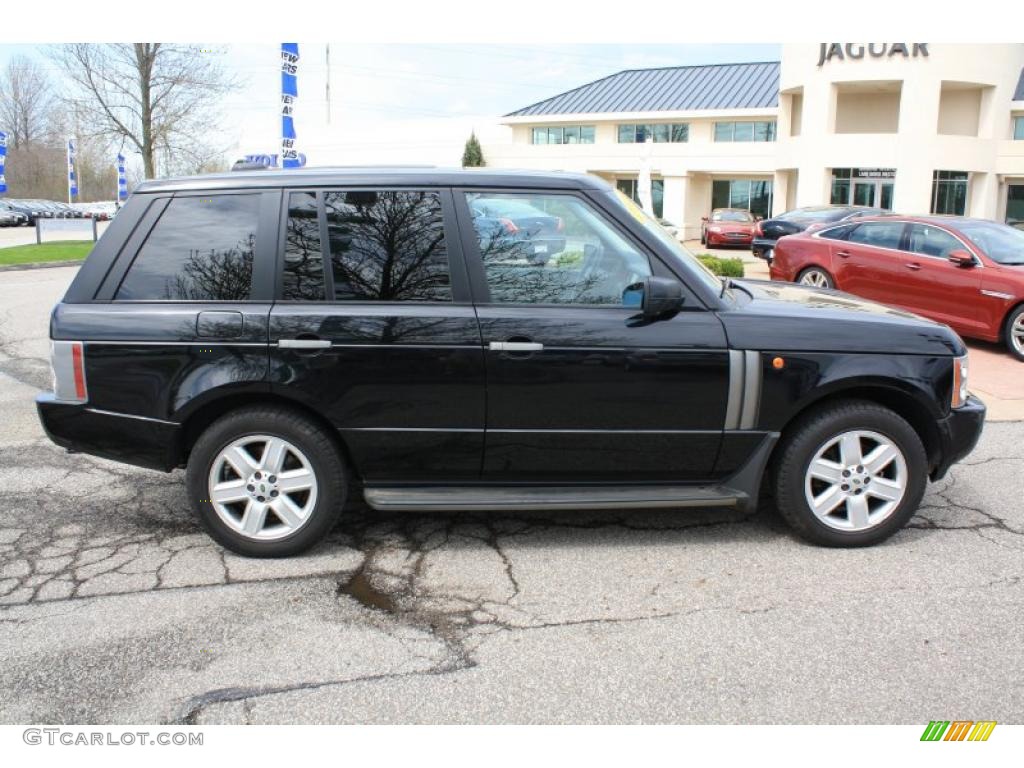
(153, 95)
(25, 99)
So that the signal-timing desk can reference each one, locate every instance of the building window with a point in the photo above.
(628, 187)
(1018, 128)
(750, 194)
(949, 192)
(1014, 203)
(564, 134)
(760, 130)
(659, 133)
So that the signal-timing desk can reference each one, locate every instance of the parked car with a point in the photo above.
(537, 235)
(385, 345)
(24, 207)
(11, 216)
(967, 273)
(767, 232)
(727, 226)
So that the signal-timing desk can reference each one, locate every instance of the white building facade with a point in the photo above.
(912, 127)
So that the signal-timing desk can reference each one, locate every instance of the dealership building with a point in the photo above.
(911, 127)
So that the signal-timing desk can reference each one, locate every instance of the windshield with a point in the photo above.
(999, 242)
(706, 275)
(731, 216)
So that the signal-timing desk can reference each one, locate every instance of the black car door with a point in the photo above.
(579, 388)
(374, 328)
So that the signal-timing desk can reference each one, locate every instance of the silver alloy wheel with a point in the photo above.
(262, 487)
(814, 278)
(856, 480)
(1017, 334)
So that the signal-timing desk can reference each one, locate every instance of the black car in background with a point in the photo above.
(295, 337)
(29, 208)
(768, 231)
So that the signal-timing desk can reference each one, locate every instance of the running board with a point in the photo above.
(430, 499)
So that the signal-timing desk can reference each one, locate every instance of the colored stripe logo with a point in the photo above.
(958, 730)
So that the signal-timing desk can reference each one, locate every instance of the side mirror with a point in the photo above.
(656, 297)
(961, 258)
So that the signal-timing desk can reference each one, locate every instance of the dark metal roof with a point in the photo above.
(413, 176)
(1018, 95)
(714, 86)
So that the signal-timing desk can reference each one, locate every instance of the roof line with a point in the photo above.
(640, 69)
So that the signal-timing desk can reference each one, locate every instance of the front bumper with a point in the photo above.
(958, 434)
(143, 442)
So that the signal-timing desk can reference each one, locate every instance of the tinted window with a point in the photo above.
(880, 234)
(303, 259)
(932, 241)
(562, 252)
(836, 233)
(387, 246)
(999, 242)
(201, 249)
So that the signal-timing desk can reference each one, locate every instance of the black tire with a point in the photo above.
(323, 456)
(812, 431)
(1017, 350)
(829, 280)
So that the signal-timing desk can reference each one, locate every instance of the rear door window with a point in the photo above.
(201, 249)
(932, 241)
(382, 245)
(878, 234)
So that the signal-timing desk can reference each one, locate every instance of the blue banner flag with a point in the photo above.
(72, 182)
(122, 180)
(289, 93)
(3, 162)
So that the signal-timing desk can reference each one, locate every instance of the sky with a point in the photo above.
(413, 103)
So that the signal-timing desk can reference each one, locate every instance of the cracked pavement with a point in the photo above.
(116, 608)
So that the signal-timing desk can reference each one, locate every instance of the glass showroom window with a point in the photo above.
(949, 192)
(760, 130)
(660, 133)
(568, 134)
(628, 188)
(841, 186)
(1018, 128)
(750, 194)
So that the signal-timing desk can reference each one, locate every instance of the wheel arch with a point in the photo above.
(900, 401)
(1004, 322)
(202, 417)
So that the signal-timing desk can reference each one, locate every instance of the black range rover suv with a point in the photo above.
(294, 337)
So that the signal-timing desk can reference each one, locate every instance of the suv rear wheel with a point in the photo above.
(266, 482)
(850, 475)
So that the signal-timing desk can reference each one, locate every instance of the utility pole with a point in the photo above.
(328, 88)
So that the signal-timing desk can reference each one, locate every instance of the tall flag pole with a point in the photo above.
(3, 162)
(72, 182)
(289, 93)
(122, 179)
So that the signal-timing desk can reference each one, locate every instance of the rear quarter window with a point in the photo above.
(200, 249)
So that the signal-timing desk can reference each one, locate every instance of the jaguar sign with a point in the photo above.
(854, 51)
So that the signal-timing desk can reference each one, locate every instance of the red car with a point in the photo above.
(727, 226)
(967, 273)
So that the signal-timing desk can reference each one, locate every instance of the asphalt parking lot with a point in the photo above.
(116, 608)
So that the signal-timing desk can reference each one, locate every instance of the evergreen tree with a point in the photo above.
(473, 155)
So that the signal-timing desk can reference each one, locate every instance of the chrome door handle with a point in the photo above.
(843, 254)
(515, 346)
(913, 266)
(304, 343)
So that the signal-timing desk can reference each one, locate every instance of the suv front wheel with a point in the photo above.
(850, 475)
(266, 482)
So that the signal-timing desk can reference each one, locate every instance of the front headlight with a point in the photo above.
(714, 229)
(959, 381)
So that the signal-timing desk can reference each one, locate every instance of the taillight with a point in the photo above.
(509, 226)
(560, 225)
(757, 230)
(67, 358)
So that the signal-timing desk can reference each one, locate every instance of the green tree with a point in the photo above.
(472, 155)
